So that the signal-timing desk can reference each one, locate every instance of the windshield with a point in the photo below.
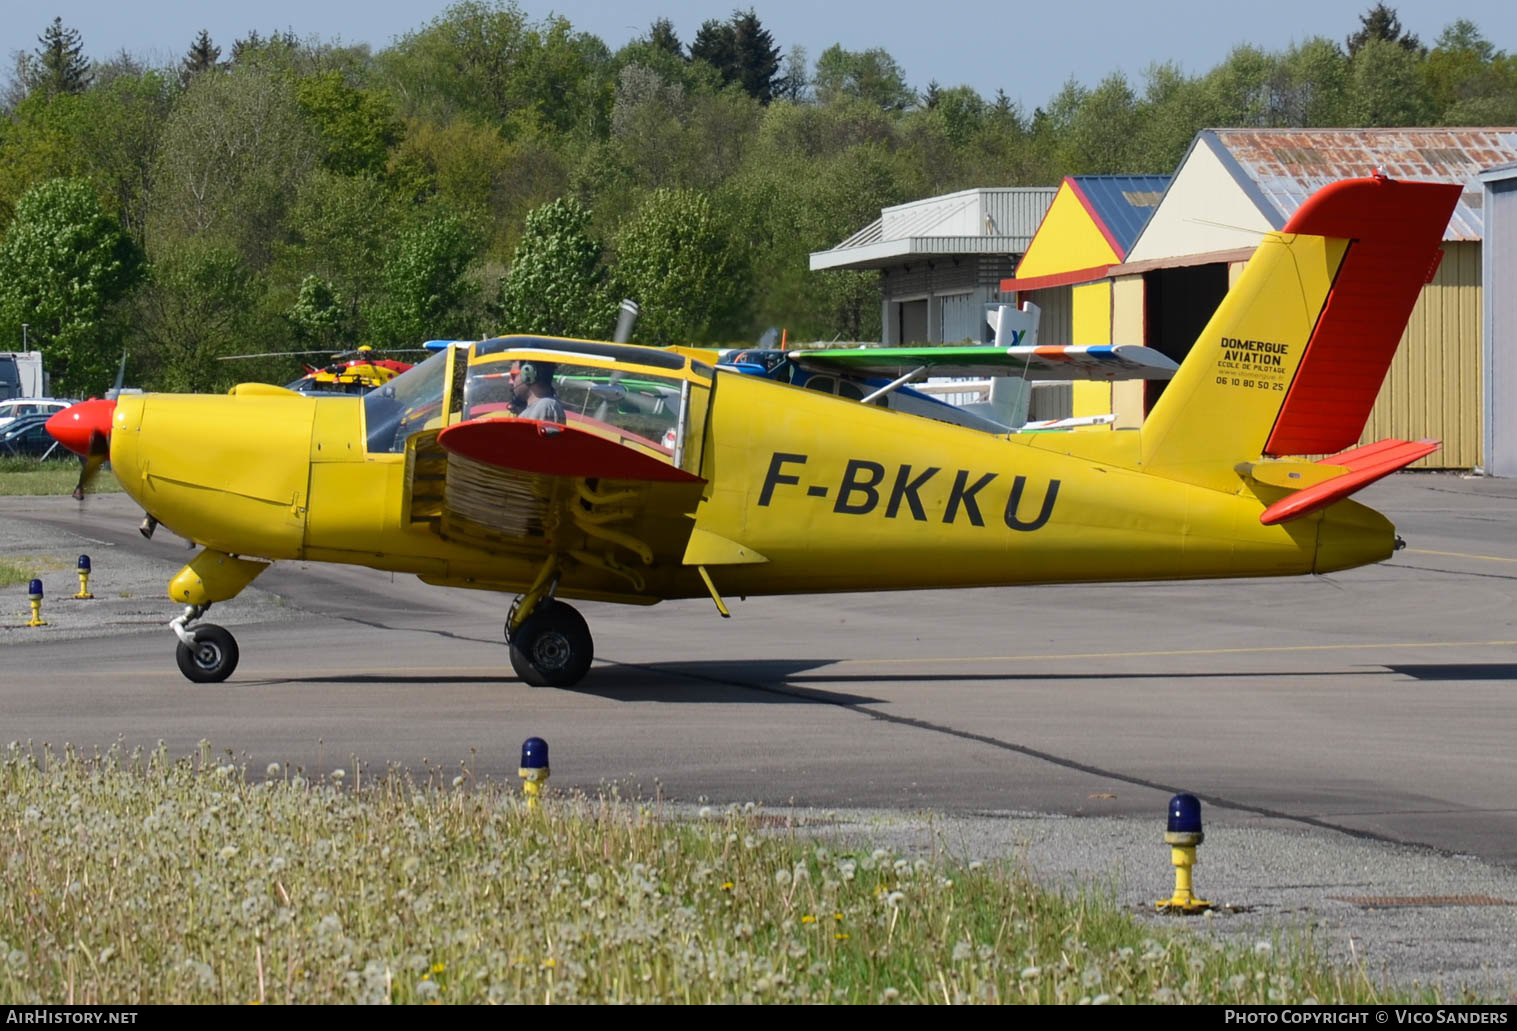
(632, 404)
(405, 404)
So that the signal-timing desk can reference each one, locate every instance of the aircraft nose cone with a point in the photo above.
(75, 425)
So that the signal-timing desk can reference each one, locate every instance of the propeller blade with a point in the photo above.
(120, 375)
(100, 450)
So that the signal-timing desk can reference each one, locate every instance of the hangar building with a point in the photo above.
(1235, 184)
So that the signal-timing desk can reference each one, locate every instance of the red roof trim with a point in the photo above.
(1071, 278)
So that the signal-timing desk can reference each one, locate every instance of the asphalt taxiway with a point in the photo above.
(1351, 736)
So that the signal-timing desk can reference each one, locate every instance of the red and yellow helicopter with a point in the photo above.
(671, 477)
(349, 372)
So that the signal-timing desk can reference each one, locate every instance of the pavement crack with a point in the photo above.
(1221, 802)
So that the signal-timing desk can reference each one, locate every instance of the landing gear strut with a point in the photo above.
(207, 654)
(552, 647)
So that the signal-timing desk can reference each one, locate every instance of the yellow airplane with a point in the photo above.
(672, 478)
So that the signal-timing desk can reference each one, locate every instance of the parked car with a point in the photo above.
(16, 407)
(26, 437)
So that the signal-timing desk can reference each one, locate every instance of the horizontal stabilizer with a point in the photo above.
(1048, 364)
(549, 449)
(1362, 466)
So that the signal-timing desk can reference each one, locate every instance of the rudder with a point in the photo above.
(1293, 358)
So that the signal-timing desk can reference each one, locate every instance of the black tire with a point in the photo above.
(213, 658)
(553, 647)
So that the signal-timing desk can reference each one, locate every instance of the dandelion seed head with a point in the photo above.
(891, 994)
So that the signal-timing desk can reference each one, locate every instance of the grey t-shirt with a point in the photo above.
(545, 409)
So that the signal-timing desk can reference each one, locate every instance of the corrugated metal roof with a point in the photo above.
(1006, 218)
(1282, 167)
(1122, 202)
(1016, 211)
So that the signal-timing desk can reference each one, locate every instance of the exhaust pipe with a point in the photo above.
(626, 316)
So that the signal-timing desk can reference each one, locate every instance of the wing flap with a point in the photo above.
(1364, 466)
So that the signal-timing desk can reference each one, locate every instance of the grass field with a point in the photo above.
(54, 476)
(143, 879)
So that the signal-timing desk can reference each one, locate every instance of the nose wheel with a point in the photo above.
(210, 657)
(552, 647)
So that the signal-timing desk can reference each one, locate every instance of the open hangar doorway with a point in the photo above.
(1178, 302)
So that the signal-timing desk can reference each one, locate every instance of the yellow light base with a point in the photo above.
(1183, 900)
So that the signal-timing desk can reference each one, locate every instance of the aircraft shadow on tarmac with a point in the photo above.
(735, 681)
(1459, 671)
(747, 681)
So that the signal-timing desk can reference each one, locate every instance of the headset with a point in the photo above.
(535, 372)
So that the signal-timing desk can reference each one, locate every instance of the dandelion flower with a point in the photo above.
(808, 919)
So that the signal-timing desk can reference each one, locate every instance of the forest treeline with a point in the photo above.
(493, 172)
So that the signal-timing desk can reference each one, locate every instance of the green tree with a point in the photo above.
(794, 83)
(1469, 81)
(358, 126)
(661, 36)
(1380, 23)
(202, 57)
(1386, 87)
(557, 284)
(758, 59)
(60, 65)
(342, 229)
(1310, 85)
(675, 257)
(64, 266)
(199, 304)
(235, 151)
(869, 75)
(742, 50)
(716, 44)
(319, 316)
(427, 290)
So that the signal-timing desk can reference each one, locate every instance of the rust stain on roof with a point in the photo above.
(1288, 165)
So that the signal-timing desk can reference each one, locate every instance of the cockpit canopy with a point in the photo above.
(637, 395)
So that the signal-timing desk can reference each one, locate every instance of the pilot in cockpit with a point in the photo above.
(533, 396)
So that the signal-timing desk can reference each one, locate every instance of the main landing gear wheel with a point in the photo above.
(213, 658)
(552, 647)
